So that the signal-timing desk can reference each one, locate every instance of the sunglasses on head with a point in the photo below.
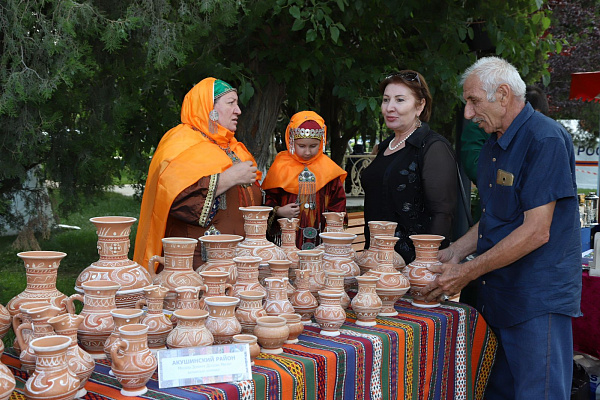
(407, 76)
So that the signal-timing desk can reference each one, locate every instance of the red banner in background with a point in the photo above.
(585, 86)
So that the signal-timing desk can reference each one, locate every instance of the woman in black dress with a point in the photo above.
(413, 179)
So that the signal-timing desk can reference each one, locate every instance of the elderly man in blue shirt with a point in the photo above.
(528, 240)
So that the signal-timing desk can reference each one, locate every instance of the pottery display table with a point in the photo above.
(442, 352)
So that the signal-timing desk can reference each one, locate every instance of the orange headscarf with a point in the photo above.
(285, 169)
(182, 157)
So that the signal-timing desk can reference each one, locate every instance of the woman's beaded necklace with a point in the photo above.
(392, 148)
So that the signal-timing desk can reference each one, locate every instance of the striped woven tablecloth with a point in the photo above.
(440, 353)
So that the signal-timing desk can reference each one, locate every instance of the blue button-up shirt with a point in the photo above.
(536, 154)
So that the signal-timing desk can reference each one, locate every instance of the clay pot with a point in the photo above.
(52, 378)
(247, 278)
(23, 317)
(221, 321)
(7, 379)
(178, 267)
(312, 260)
(78, 360)
(277, 301)
(295, 326)
(39, 327)
(366, 304)
(132, 361)
(188, 298)
(426, 252)
(41, 268)
(334, 221)
(250, 309)
(220, 251)
(159, 326)
(289, 226)
(367, 258)
(330, 315)
(302, 299)
(334, 280)
(280, 269)
(4, 321)
(121, 317)
(215, 284)
(338, 255)
(271, 332)
(98, 301)
(114, 264)
(252, 344)
(191, 330)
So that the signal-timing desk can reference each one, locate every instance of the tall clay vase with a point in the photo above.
(98, 301)
(188, 298)
(114, 264)
(4, 321)
(252, 344)
(215, 284)
(330, 315)
(52, 377)
(41, 268)
(277, 301)
(338, 255)
(159, 326)
(334, 280)
(295, 326)
(220, 251)
(247, 279)
(7, 379)
(178, 267)
(367, 258)
(280, 269)
(190, 331)
(272, 332)
(132, 361)
(250, 309)
(289, 226)
(39, 327)
(221, 321)
(121, 317)
(426, 252)
(312, 260)
(366, 304)
(302, 299)
(78, 360)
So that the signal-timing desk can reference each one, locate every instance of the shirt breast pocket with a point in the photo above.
(505, 203)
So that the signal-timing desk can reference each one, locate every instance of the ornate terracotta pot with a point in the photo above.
(178, 267)
(114, 264)
(250, 309)
(41, 268)
(302, 299)
(132, 361)
(78, 360)
(271, 332)
(4, 321)
(334, 280)
(289, 226)
(312, 260)
(367, 259)
(39, 327)
(159, 326)
(121, 317)
(23, 317)
(295, 326)
(215, 284)
(426, 252)
(188, 298)
(280, 269)
(191, 330)
(52, 378)
(366, 304)
(338, 255)
(277, 301)
(221, 321)
(220, 251)
(334, 221)
(330, 315)
(247, 279)
(252, 343)
(7, 379)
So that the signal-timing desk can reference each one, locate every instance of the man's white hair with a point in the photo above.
(494, 71)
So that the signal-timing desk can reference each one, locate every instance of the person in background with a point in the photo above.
(413, 178)
(528, 240)
(199, 174)
(303, 182)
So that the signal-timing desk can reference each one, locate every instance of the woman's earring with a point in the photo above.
(213, 117)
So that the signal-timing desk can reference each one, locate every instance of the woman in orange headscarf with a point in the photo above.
(303, 182)
(199, 175)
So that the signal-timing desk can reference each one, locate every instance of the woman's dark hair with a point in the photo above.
(416, 83)
(537, 98)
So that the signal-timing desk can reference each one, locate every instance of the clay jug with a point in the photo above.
(277, 301)
(7, 379)
(215, 284)
(78, 360)
(295, 326)
(41, 268)
(178, 267)
(98, 301)
(426, 252)
(330, 315)
(334, 280)
(302, 299)
(247, 279)
(367, 258)
(121, 317)
(159, 326)
(219, 251)
(289, 226)
(280, 269)
(334, 221)
(252, 344)
(188, 298)
(23, 317)
(4, 321)
(312, 260)
(52, 378)
(250, 309)
(366, 303)
(271, 332)
(221, 321)
(132, 361)
(114, 264)
(190, 331)
(338, 255)
(39, 327)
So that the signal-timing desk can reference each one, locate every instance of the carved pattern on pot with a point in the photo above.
(295, 326)
(188, 298)
(426, 252)
(302, 299)
(289, 226)
(121, 317)
(271, 332)
(159, 326)
(7, 379)
(250, 309)
(4, 321)
(367, 258)
(334, 280)
(191, 330)
(247, 279)
(215, 285)
(330, 315)
(280, 269)
(277, 301)
(338, 255)
(114, 264)
(366, 304)
(39, 328)
(312, 260)
(220, 251)
(221, 321)
(252, 344)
